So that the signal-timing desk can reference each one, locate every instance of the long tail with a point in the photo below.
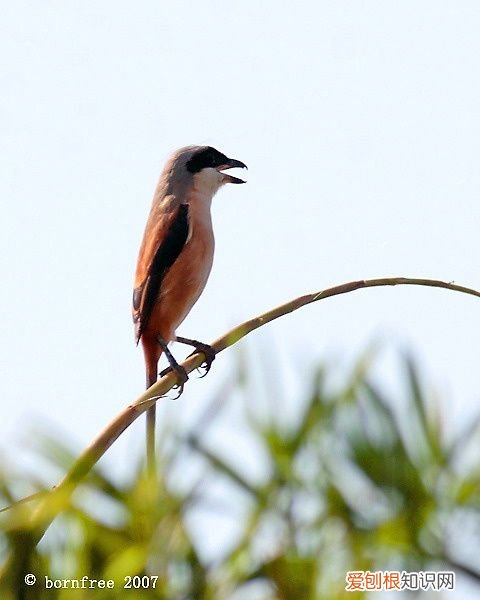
(151, 378)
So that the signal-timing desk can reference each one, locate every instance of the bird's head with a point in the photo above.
(203, 167)
(207, 162)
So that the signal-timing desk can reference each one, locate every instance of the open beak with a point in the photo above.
(232, 164)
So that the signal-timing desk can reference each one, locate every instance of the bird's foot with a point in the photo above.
(182, 376)
(205, 349)
(209, 353)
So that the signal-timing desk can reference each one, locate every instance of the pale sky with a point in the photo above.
(359, 122)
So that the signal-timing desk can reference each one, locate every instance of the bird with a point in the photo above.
(175, 260)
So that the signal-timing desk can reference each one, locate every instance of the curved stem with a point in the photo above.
(44, 514)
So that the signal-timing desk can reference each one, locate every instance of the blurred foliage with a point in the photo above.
(354, 482)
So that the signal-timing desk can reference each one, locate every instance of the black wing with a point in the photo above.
(146, 294)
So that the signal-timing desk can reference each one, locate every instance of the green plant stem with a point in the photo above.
(44, 514)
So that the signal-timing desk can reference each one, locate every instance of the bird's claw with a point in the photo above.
(179, 387)
(165, 372)
(182, 378)
(205, 349)
(209, 353)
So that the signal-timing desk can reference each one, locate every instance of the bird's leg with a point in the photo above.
(207, 350)
(174, 366)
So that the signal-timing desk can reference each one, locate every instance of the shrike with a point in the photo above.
(175, 258)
